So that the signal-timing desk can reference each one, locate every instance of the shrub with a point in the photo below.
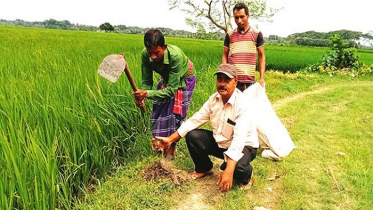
(342, 59)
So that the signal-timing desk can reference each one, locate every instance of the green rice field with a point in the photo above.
(62, 127)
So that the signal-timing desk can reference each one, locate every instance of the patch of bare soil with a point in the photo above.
(165, 169)
(204, 194)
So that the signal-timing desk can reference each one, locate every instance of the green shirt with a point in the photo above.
(173, 70)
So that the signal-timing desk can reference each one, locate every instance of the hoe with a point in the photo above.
(112, 67)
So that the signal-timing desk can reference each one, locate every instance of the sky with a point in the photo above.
(296, 16)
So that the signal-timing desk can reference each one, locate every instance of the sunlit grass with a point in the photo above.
(62, 127)
(329, 169)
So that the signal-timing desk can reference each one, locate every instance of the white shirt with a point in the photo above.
(230, 129)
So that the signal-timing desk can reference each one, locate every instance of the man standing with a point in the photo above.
(241, 46)
(174, 91)
(233, 137)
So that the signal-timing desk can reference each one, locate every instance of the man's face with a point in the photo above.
(241, 19)
(156, 53)
(225, 85)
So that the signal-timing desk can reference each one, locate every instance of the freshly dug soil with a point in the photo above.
(165, 169)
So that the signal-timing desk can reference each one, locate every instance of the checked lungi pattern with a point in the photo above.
(164, 122)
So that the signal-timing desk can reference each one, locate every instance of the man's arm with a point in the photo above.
(146, 80)
(197, 120)
(262, 65)
(146, 72)
(174, 79)
(244, 134)
(224, 59)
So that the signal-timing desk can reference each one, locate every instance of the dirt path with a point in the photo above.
(205, 193)
(302, 95)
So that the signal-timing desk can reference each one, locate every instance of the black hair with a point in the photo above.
(153, 38)
(240, 6)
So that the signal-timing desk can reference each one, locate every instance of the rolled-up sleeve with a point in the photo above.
(245, 134)
(146, 72)
(173, 84)
(197, 120)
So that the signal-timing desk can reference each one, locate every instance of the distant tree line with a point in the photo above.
(309, 38)
(107, 27)
(321, 39)
(50, 23)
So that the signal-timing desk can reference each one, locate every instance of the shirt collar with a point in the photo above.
(165, 57)
(232, 99)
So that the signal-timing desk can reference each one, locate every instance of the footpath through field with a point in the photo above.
(205, 194)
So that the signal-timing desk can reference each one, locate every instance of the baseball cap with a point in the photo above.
(227, 69)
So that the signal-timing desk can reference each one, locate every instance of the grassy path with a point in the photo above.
(205, 195)
(299, 96)
(332, 127)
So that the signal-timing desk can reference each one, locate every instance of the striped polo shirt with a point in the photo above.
(242, 52)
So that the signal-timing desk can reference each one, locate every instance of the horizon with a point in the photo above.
(294, 17)
(33, 21)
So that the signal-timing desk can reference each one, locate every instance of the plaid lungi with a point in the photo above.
(164, 122)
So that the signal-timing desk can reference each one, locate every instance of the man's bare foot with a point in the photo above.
(196, 175)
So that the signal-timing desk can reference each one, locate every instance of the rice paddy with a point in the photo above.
(62, 127)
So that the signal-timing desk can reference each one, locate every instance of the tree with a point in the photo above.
(56, 24)
(215, 15)
(106, 27)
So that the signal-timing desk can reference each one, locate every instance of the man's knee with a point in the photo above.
(198, 138)
(191, 136)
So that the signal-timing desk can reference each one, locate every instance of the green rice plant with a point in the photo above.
(294, 58)
(291, 58)
(62, 127)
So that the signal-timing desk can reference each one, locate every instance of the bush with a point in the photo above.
(342, 59)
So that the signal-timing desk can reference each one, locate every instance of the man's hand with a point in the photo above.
(226, 178)
(140, 103)
(140, 95)
(157, 145)
(225, 181)
(165, 142)
(262, 83)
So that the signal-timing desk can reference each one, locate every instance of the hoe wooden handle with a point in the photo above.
(132, 83)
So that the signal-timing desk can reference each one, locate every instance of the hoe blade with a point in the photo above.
(112, 67)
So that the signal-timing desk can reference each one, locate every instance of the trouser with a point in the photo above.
(201, 144)
(243, 86)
